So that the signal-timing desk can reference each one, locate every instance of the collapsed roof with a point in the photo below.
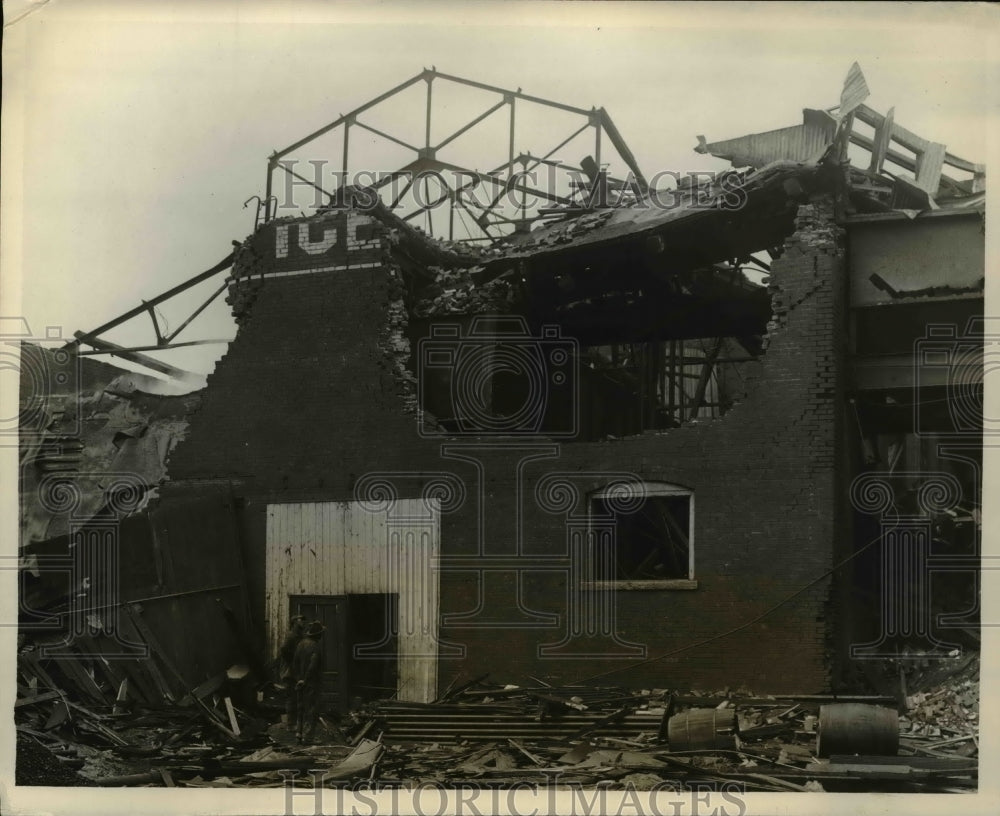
(609, 241)
(616, 261)
(97, 432)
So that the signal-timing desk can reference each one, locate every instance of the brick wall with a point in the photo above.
(307, 400)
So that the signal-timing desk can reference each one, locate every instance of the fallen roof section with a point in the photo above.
(904, 171)
(99, 431)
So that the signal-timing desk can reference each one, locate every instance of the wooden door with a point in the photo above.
(332, 612)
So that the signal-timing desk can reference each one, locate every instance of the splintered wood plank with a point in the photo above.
(359, 761)
(38, 698)
(526, 752)
(70, 666)
(233, 724)
(144, 685)
(93, 648)
(883, 135)
(122, 696)
(150, 638)
(34, 667)
(156, 652)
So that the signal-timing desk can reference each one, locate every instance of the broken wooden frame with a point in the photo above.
(834, 128)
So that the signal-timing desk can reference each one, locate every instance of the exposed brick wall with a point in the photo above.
(307, 400)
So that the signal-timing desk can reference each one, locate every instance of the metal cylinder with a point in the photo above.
(700, 728)
(854, 728)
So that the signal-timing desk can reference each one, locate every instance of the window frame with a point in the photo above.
(650, 490)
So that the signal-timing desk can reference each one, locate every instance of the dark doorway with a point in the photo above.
(374, 651)
(359, 646)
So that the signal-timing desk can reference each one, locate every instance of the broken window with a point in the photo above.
(643, 533)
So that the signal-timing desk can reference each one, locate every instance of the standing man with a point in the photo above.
(285, 656)
(307, 669)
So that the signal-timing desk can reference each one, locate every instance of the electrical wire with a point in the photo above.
(742, 626)
(895, 404)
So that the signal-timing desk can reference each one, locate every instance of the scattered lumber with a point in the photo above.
(507, 734)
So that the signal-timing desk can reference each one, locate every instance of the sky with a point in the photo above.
(134, 131)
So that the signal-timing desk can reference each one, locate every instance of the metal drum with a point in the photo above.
(855, 728)
(699, 728)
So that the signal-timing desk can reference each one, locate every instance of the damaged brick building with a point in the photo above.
(621, 444)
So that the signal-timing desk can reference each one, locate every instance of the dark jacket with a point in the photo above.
(307, 664)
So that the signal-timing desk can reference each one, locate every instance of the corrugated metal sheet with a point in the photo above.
(855, 91)
(800, 143)
(344, 548)
(486, 723)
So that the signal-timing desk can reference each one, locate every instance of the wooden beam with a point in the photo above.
(911, 141)
(135, 613)
(233, 723)
(38, 698)
(70, 666)
(704, 378)
(894, 156)
(883, 135)
(908, 139)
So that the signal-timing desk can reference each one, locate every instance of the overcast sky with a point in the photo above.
(142, 127)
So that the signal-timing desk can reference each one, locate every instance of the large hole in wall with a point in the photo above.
(651, 359)
(629, 388)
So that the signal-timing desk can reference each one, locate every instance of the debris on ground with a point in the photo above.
(505, 734)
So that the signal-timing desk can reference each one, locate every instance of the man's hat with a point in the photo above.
(298, 618)
(315, 628)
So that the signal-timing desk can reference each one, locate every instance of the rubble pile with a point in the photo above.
(563, 232)
(507, 734)
(942, 710)
(106, 421)
(37, 765)
(454, 291)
